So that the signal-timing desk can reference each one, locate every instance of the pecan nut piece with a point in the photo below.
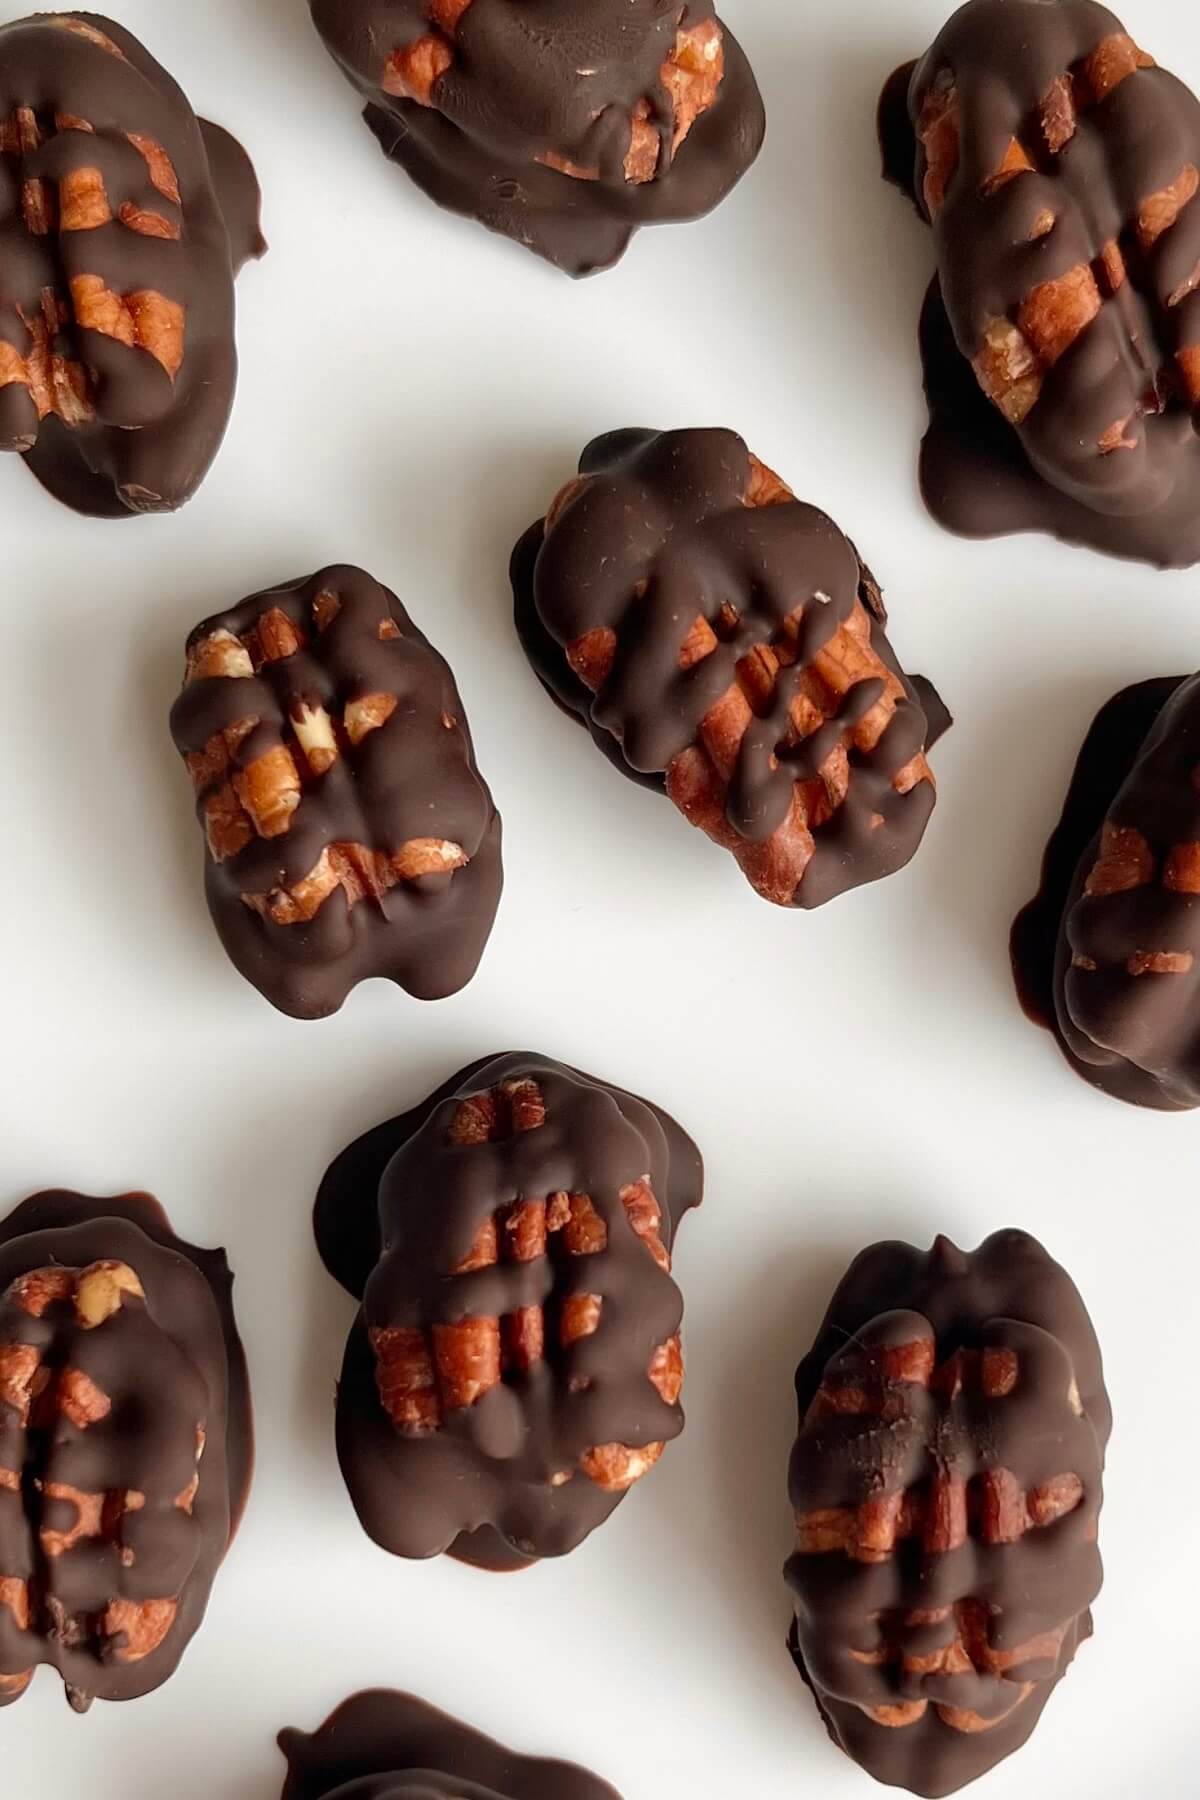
(946, 1485)
(122, 221)
(384, 1743)
(566, 129)
(1059, 168)
(349, 831)
(125, 1443)
(1107, 955)
(725, 644)
(516, 1365)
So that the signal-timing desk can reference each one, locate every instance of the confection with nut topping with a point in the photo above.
(123, 220)
(564, 124)
(1107, 956)
(516, 1364)
(349, 831)
(1059, 167)
(125, 1443)
(946, 1486)
(725, 644)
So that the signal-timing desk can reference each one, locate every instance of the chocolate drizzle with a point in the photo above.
(559, 76)
(660, 535)
(88, 93)
(400, 1209)
(382, 1744)
(414, 778)
(948, 1370)
(980, 475)
(1135, 1036)
(168, 1363)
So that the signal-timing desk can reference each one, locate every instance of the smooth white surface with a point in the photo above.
(413, 391)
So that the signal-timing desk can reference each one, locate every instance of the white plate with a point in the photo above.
(413, 390)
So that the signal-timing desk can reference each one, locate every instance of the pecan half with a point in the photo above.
(326, 744)
(116, 309)
(725, 640)
(946, 1485)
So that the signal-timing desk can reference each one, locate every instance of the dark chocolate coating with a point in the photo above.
(666, 508)
(981, 476)
(550, 75)
(1008, 1296)
(414, 777)
(168, 1363)
(401, 1207)
(1136, 1037)
(383, 1744)
(152, 435)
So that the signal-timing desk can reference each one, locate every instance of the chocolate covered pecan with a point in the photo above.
(1059, 168)
(349, 831)
(564, 124)
(125, 1443)
(123, 219)
(1108, 954)
(725, 644)
(516, 1364)
(946, 1485)
(382, 1744)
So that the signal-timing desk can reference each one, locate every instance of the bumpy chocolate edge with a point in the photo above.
(431, 934)
(189, 437)
(386, 1734)
(975, 478)
(575, 699)
(1041, 954)
(581, 227)
(71, 1228)
(951, 1290)
(346, 1225)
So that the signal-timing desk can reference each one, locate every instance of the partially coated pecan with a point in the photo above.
(117, 360)
(349, 831)
(517, 1364)
(1060, 167)
(124, 1443)
(946, 1485)
(502, 111)
(1108, 955)
(725, 643)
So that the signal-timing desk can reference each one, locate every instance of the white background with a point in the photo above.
(413, 391)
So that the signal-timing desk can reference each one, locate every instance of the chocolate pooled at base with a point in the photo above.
(515, 1366)
(123, 220)
(1107, 956)
(1061, 340)
(126, 1442)
(725, 644)
(349, 831)
(946, 1484)
(563, 124)
(383, 1744)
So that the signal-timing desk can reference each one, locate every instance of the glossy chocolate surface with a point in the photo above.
(399, 1210)
(381, 1745)
(1107, 955)
(108, 1509)
(947, 1399)
(562, 77)
(116, 203)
